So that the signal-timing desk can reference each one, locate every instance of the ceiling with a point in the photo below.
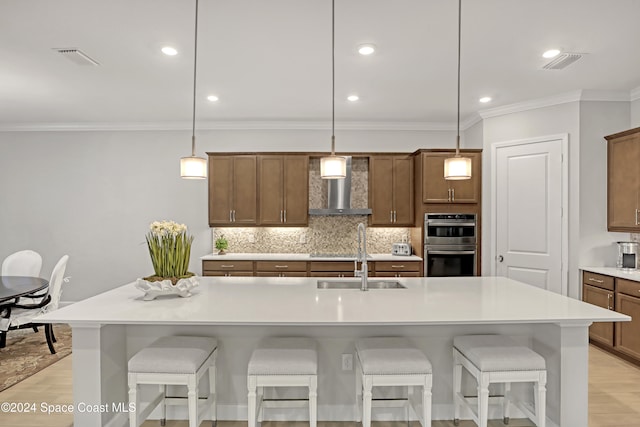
(270, 60)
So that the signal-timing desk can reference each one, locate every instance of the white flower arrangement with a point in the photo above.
(170, 249)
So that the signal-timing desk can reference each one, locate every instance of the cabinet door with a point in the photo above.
(468, 190)
(403, 191)
(296, 190)
(220, 188)
(244, 190)
(435, 189)
(599, 331)
(628, 333)
(381, 190)
(271, 194)
(623, 170)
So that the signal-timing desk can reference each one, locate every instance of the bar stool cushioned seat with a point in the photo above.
(282, 362)
(392, 361)
(497, 359)
(174, 360)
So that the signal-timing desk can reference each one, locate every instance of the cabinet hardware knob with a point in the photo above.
(280, 215)
(453, 194)
(390, 216)
(397, 266)
(591, 279)
(285, 215)
(230, 216)
(282, 266)
(227, 266)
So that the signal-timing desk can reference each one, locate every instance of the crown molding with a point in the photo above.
(635, 94)
(564, 98)
(226, 125)
(471, 120)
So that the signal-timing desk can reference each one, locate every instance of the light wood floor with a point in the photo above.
(614, 399)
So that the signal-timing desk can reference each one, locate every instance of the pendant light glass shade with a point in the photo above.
(333, 167)
(458, 167)
(194, 167)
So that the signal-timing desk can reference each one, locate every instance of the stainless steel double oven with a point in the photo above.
(450, 244)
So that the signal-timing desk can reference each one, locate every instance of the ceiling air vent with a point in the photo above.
(77, 56)
(563, 60)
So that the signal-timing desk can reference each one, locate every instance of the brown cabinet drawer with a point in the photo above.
(331, 266)
(397, 266)
(599, 280)
(599, 331)
(331, 274)
(628, 287)
(228, 265)
(281, 266)
(397, 274)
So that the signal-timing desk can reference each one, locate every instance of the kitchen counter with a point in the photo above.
(615, 272)
(109, 328)
(303, 257)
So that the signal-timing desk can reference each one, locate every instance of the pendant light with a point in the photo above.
(458, 167)
(194, 167)
(333, 167)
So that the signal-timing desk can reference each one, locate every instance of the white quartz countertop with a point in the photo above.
(296, 301)
(615, 272)
(304, 257)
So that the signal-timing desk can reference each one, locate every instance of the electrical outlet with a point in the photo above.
(347, 362)
(252, 238)
(303, 239)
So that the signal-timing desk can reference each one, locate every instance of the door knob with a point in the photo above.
(500, 258)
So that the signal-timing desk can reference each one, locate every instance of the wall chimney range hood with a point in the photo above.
(339, 197)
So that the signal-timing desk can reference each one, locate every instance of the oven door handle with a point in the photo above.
(450, 224)
(450, 252)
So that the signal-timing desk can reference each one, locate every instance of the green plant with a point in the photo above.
(170, 248)
(222, 243)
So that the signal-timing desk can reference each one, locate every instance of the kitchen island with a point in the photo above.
(109, 328)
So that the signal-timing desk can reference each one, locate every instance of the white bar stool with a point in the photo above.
(497, 359)
(391, 361)
(282, 362)
(174, 360)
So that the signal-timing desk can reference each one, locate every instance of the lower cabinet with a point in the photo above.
(227, 268)
(398, 268)
(628, 302)
(281, 268)
(333, 268)
(620, 295)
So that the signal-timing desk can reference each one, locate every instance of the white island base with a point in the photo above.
(109, 328)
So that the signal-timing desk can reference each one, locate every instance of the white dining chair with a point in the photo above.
(24, 263)
(21, 315)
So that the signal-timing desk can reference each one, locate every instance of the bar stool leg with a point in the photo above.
(313, 401)
(483, 400)
(213, 394)
(163, 405)
(366, 401)
(260, 404)
(505, 403)
(540, 399)
(251, 401)
(457, 387)
(426, 402)
(359, 408)
(192, 399)
(133, 398)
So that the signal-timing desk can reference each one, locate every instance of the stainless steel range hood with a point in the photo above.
(339, 197)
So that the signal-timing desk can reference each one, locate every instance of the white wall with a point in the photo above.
(635, 113)
(597, 119)
(557, 119)
(92, 194)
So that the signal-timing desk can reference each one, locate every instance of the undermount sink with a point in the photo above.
(356, 284)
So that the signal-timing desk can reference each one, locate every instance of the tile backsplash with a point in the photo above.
(325, 234)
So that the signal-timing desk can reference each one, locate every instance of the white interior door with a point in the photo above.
(529, 181)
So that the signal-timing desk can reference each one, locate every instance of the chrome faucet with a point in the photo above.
(363, 273)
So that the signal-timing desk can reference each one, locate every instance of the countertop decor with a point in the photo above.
(170, 250)
(154, 289)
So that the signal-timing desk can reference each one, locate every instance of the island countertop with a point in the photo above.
(297, 301)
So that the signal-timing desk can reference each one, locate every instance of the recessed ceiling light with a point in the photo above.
(485, 99)
(169, 51)
(552, 53)
(212, 98)
(366, 49)
(353, 98)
